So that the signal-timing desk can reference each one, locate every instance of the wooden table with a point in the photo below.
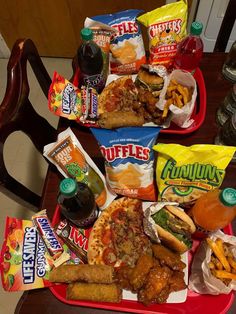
(42, 300)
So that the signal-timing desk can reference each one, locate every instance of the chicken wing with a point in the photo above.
(167, 257)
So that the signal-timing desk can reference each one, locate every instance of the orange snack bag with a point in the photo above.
(166, 27)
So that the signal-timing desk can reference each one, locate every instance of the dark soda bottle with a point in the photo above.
(77, 203)
(90, 61)
(190, 49)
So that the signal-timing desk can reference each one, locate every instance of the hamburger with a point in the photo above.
(175, 228)
(148, 79)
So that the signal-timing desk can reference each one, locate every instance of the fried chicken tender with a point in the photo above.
(167, 257)
(133, 278)
(156, 281)
(177, 282)
(140, 271)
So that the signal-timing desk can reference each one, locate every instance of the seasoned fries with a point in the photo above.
(222, 263)
(177, 95)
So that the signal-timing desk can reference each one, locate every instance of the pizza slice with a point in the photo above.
(117, 237)
(119, 95)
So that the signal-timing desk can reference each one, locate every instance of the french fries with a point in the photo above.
(222, 263)
(177, 95)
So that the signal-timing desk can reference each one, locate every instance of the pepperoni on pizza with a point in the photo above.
(117, 237)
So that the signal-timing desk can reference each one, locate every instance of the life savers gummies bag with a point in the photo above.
(68, 155)
(25, 262)
(129, 160)
(166, 28)
(184, 173)
(127, 48)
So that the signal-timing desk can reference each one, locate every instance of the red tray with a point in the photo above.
(194, 304)
(199, 110)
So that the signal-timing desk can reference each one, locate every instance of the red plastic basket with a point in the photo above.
(194, 304)
(199, 110)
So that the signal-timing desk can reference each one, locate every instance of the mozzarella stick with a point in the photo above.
(82, 272)
(94, 292)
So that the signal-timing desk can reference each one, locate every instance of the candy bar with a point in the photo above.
(50, 238)
(75, 238)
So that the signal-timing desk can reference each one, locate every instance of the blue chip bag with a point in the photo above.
(127, 48)
(129, 160)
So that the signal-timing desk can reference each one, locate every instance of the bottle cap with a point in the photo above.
(86, 34)
(196, 28)
(68, 187)
(228, 196)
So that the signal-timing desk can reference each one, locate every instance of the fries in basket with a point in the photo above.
(177, 95)
(222, 263)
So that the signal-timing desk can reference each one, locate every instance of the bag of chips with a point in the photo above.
(184, 173)
(166, 28)
(129, 160)
(127, 48)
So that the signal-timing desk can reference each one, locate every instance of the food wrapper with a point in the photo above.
(68, 155)
(184, 173)
(50, 238)
(201, 279)
(180, 116)
(25, 261)
(129, 160)
(66, 100)
(166, 28)
(127, 48)
(149, 223)
(75, 238)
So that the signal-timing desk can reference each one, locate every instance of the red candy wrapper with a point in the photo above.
(76, 239)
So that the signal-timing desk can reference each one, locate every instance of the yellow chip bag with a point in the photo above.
(184, 173)
(166, 27)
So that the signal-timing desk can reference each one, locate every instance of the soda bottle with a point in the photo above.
(214, 210)
(90, 61)
(190, 49)
(77, 203)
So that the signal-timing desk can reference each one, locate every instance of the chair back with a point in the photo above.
(17, 114)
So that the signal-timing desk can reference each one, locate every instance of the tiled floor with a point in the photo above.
(28, 159)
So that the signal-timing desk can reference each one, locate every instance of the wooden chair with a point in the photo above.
(17, 114)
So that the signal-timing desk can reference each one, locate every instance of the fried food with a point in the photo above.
(140, 271)
(177, 95)
(222, 264)
(219, 253)
(117, 119)
(167, 257)
(152, 277)
(156, 281)
(94, 292)
(177, 282)
(82, 272)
